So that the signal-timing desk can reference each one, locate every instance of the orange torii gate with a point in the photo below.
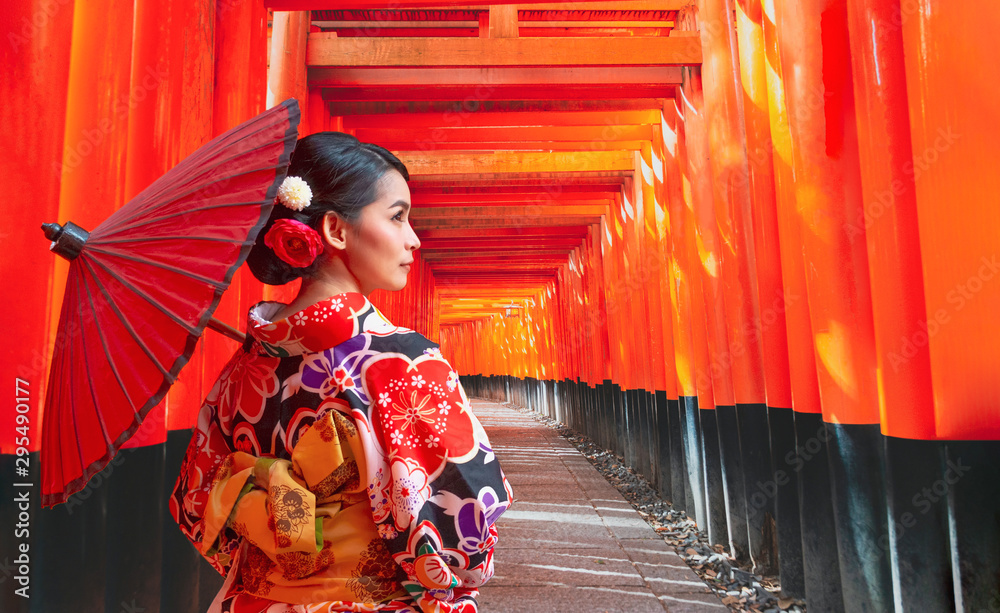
(750, 245)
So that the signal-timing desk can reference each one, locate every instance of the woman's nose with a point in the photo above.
(414, 240)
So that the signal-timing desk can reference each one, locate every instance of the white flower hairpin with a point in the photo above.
(295, 193)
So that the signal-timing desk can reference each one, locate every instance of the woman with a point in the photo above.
(336, 464)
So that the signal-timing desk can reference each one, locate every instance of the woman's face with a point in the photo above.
(380, 250)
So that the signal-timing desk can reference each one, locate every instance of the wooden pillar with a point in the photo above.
(500, 22)
(35, 114)
(812, 44)
(731, 198)
(954, 135)
(762, 434)
(286, 75)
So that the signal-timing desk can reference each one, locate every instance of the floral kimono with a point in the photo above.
(337, 466)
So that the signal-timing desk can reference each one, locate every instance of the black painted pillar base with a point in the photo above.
(652, 459)
(732, 473)
(694, 483)
(628, 440)
(718, 531)
(135, 552)
(182, 564)
(970, 475)
(820, 555)
(664, 482)
(919, 530)
(619, 419)
(600, 414)
(641, 434)
(678, 466)
(782, 491)
(755, 450)
(857, 468)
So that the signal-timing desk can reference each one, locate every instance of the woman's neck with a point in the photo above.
(319, 288)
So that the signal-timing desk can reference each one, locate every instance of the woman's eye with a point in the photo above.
(398, 216)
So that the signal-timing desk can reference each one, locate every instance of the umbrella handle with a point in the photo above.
(226, 330)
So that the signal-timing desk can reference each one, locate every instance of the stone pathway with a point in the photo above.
(571, 542)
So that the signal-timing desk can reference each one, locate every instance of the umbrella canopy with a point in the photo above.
(143, 285)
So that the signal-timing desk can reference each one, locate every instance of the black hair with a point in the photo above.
(344, 175)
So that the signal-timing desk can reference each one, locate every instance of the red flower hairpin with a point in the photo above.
(294, 242)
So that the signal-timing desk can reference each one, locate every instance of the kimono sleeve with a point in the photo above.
(443, 490)
(190, 498)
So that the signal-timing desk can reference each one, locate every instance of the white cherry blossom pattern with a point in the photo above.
(418, 392)
(410, 490)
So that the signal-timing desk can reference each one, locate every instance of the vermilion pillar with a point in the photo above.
(954, 123)
(731, 198)
(688, 281)
(813, 42)
(772, 422)
(673, 195)
(715, 379)
(953, 119)
(170, 116)
(666, 397)
(800, 434)
(744, 417)
(37, 63)
(240, 88)
(889, 226)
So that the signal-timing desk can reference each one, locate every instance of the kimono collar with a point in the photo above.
(321, 326)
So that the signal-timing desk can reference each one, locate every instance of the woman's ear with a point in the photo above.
(334, 231)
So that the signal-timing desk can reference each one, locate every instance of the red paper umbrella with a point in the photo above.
(142, 287)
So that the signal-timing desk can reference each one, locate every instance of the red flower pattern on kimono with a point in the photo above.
(434, 487)
(249, 384)
(415, 413)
